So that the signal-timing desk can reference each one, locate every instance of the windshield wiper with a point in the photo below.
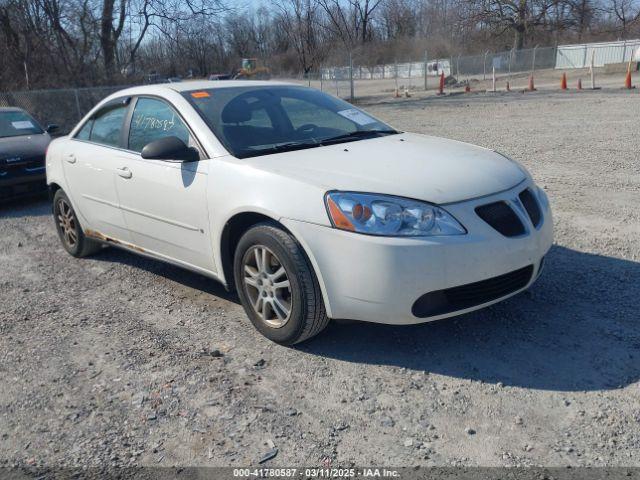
(358, 134)
(283, 147)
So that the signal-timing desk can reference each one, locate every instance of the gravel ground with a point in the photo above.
(120, 360)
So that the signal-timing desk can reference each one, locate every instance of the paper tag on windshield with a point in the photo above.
(357, 116)
(22, 125)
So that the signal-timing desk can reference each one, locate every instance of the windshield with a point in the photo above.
(252, 121)
(17, 123)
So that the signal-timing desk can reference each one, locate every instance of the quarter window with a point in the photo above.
(152, 120)
(107, 125)
(85, 131)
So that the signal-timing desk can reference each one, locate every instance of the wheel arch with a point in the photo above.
(233, 230)
(53, 187)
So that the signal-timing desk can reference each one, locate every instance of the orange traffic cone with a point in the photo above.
(508, 87)
(467, 88)
(441, 87)
(627, 80)
(563, 82)
(396, 93)
(579, 84)
(531, 87)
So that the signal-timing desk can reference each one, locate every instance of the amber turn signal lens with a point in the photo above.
(339, 219)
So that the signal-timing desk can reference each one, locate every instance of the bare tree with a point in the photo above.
(300, 22)
(350, 20)
(516, 16)
(110, 33)
(625, 12)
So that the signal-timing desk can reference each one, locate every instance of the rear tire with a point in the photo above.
(277, 286)
(69, 230)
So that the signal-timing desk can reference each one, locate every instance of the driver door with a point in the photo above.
(164, 202)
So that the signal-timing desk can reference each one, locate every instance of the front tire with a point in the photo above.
(277, 286)
(69, 230)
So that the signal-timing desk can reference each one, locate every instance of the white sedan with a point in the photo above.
(308, 207)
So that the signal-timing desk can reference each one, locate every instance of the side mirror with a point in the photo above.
(170, 148)
(52, 128)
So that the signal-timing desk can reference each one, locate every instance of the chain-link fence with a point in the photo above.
(64, 107)
(503, 64)
(353, 76)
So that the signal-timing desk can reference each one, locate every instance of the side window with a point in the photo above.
(152, 120)
(85, 131)
(107, 125)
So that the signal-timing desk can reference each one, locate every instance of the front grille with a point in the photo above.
(472, 294)
(531, 206)
(502, 218)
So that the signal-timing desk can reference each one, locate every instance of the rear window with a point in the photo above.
(17, 123)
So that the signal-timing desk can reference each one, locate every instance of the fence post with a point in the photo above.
(351, 95)
(395, 69)
(593, 75)
(533, 62)
(493, 79)
(510, 58)
(75, 90)
(484, 66)
(26, 73)
(426, 65)
(624, 51)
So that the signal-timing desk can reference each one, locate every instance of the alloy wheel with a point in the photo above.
(266, 284)
(67, 223)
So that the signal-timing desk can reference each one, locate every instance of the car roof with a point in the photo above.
(188, 85)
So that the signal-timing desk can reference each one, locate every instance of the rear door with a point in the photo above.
(90, 166)
(164, 202)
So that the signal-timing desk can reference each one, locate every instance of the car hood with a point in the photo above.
(422, 167)
(16, 150)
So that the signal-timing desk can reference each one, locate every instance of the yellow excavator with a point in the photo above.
(251, 71)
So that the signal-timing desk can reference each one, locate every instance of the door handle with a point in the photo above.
(124, 172)
(71, 158)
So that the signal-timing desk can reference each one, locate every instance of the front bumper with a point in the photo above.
(379, 279)
(16, 183)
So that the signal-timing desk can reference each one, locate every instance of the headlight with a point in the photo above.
(389, 216)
